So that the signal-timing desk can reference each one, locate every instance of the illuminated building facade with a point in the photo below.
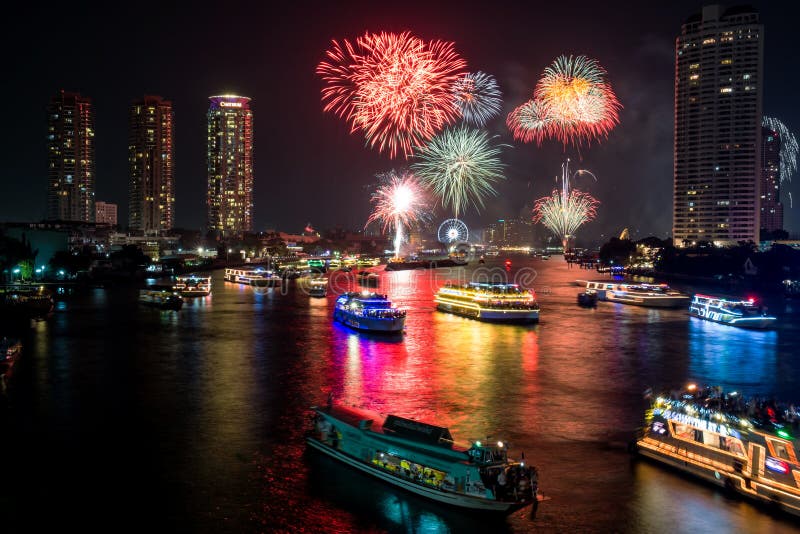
(509, 233)
(230, 165)
(718, 92)
(771, 207)
(151, 200)
(70, 151)
(105, 213)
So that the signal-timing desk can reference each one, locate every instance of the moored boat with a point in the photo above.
(488, 302)
(647, 295)
(162, 298)
(741, 313)
(370, 312)
(193, 286)
(423, 459)
(746, 446)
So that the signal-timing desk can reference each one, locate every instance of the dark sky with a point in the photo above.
(307, 166)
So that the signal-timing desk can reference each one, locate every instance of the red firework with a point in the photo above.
(393, 87)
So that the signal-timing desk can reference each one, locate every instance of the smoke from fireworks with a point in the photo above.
(395, 88)
(564, 213)
(572, 103)
(399, 200)
(460, 165)
(789, 148)
(477, 97)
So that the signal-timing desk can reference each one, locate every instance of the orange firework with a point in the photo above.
(395, 88)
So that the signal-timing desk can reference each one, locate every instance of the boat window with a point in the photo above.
(782, 450)
(684, 431)
(732, 445)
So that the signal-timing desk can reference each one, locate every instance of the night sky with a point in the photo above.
(308, 168)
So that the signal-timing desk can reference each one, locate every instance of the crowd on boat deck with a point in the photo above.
(761, 410)
(383, 313)
(513, 305)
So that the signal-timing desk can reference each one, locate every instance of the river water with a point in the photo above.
(128, 418)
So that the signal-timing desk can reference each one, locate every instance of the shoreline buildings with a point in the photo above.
(230, 165)
(71, 161)
(719, 59)
(151, 206)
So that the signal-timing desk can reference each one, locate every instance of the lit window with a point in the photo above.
(726, 90)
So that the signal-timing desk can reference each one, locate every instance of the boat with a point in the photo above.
(193, 286)
(433, 263)
(648, 295)
(163, 298)
(25, 301)
(253, 277)
(741, 313)
(587, 299)
(10, 350)
(423, 459)
(369, 311)
(366, 278)
(489, 302)
(745, 445)
(317, 287)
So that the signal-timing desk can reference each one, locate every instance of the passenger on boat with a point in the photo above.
(501, 485)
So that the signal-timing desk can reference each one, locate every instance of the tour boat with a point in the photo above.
(193, 286)
(369, 311)
(253, 277)
(744, 445)
(741, 313)
(161, 298)
(423, 459)
(25, 301)
(317, 287)
(489, 302)
(648, 295)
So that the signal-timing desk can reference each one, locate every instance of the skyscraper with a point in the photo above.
(718, 90)
(230, 165)
(70, 151)
(105, 213)
(151, 200)
(771, 207)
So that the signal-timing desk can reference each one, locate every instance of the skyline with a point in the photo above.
(310, 157)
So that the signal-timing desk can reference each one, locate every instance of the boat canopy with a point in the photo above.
(416, 431)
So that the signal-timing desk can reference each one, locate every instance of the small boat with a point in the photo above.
(366, 278)
(647, 295)
(587, 299)
(257, 277)
(317, 287)
(424, 459)
(193, 286)
(488, 302)
(162, 298)
(741, 313)
(745, 445)
(368, 311)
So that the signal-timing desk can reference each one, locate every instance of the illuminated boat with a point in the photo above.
(741, 313)
(25, 301)
(370, 312)
(743, 445)
(424, 460)
(161, 298)
(648, 295)
(489, 302)
(193, 286)
(317, 287)
(253, 277)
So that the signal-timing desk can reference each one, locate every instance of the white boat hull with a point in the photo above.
(368, 324)
(493, 315)
(646, 301)
(454, 499)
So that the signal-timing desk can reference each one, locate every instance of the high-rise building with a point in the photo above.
(151, 191)
(105, 213)
(771, 207)
(70, 151)
(718, 89)
(230, 165)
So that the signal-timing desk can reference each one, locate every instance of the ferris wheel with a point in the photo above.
(453, 231)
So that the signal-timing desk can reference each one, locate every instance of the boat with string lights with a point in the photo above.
(747, 446)
(162, 298)
(424, 459)
(193, 286)
(647, 295)
(489, 302)
(317, 287)
(257, 277)
(370, 312)
(741, 313)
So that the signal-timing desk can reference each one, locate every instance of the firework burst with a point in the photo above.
(461, 166)
(399, 200)
(573, 103)
(564, 213)
(789, 148)
(395, 88)
(477, 97)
